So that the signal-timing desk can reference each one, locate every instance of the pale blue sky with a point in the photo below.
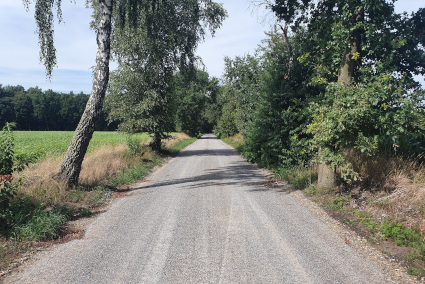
(76, 44)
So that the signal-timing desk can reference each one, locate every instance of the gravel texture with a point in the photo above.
(206, 217)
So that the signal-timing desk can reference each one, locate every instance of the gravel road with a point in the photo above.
(205, 217)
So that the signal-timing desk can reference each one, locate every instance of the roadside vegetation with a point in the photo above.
(35, 208)
(330, 104)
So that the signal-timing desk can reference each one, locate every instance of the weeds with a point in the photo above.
(300, 177)
(40, 226)
(399, 234)
(415, 271)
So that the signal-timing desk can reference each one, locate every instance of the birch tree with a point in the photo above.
(129, 13)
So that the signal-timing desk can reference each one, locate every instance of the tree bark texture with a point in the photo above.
(71, 165)
(349, 62)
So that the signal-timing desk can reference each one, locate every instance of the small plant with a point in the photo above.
(366, 219)
(418, 272)
(134, 146)
(348, 222)
(401, 235)
(84, 212)
(299, 177)
(339, 202)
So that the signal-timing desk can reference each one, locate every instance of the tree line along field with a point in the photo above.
(42, 143)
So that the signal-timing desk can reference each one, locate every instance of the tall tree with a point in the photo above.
(129, 11)
(164, 42)
(354, 44)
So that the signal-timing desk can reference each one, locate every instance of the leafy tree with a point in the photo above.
(163, 42)
(24, 112)
(353, 45)
(133, 14)
(6, 107)
(195, 99)
(277, 134)
(241, 75)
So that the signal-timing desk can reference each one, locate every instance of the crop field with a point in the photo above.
(42, 143)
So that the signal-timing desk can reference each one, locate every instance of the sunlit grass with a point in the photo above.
(57, 142)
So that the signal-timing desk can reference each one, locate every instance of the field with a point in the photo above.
(42, 143)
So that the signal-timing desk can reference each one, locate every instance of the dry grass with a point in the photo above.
(175, 139)
(103, 163)
(39, 180)
(390, 187)
(41, 185)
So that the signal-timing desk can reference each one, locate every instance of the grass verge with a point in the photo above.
(234, 141)
(380, 215)
(41, 207)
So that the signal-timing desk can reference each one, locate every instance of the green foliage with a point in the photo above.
(34, 109)
(366, 219)
(134, 145)
(149, 51)
(241, 94)
(298, 176)
(41, 225)
(195, 99)
(416, 271)
(339, 202)
(398, 233)
(226, 125)
(365, 118)
(134, 173)
(7, 153)
(7, 193)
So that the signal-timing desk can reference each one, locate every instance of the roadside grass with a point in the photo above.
(386, 205)
(174, 150)
(234, 141)
(389, 205)
(42, 205)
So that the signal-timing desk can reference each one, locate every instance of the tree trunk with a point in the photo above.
(326, 175)
(71, 166)
(350, 60)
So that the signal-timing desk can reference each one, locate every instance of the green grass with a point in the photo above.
(57, 142)
(176, 149)
(237, 144)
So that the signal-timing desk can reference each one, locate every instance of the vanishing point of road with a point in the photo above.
(205, 217)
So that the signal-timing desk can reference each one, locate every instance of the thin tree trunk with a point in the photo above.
(71, 165)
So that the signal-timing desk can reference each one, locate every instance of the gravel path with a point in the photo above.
(206, 217)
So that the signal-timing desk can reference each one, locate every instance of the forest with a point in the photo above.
(38, 110)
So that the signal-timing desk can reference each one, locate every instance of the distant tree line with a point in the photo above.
(38, 110)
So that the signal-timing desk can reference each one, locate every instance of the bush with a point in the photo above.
(376, 116)
(7, 155)
(134, 145)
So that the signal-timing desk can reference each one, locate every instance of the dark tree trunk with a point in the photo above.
(71, 166)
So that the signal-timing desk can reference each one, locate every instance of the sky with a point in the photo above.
(240, 34)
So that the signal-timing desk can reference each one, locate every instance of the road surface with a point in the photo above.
(205, 217)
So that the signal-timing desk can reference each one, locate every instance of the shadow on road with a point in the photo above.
(235, 174)
(211, 152)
